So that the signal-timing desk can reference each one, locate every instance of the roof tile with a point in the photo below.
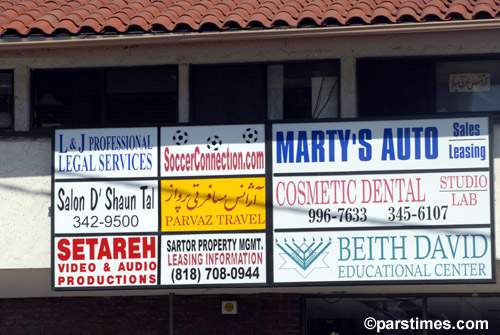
(357, 13)
(482, 7)
(260, 19)
(383, 13)
(432, 11)
(464, 3)
(364, 7)
(18, 26)
(115, 23)
(407, 11)
(235, 18)
(309, 15)
(248, 6)
(412, 5)
(456, 8)
(441, 5)
(314, 8)
(389, 6)
(152, 10)
(76, 16)
(265, 11)
(164, 21)
(92, 23)
(189, 21)
(68, 25)
(285, 17)
(370, 3)
(212, 19)
(42, 25)
(337, 7)
(217, 13)
(292, 10)
(141, 22)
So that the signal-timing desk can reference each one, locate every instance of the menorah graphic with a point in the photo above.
(304, 254)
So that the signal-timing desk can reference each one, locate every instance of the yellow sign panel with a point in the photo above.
(213, 204)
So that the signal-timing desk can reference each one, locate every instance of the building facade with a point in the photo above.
(103, 64)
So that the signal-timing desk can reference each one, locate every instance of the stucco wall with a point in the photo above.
(24, 203)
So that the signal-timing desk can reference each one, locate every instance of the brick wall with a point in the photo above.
(258, 314)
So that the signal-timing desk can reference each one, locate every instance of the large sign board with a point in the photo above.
(329, 203)
(213, 201)
(384, 201)
(130, 209)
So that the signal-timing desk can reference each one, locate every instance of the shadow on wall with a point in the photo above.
(24, 157)
(496, 141)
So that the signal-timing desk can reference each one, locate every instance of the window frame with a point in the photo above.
(192, 97)
(401, 296)
(433, 61)
(335, 61)
(102, 94)
(12, 100)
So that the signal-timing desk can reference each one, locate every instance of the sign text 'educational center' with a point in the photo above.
(319, 203)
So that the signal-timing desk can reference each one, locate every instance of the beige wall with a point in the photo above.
(25, 163)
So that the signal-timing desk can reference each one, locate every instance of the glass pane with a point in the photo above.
(67, 98)
(141, 96)
(310, 90)
(326, 316)
(395, 87)
(234, 93)
(89, 97)
(468, 86)
(466, 308)
(6, 100)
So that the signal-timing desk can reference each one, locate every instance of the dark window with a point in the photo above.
(6, 99)
(228, 93)
(327, 315)
(468, 86)
(310, 90)
(150, 92)
(468, 309)
(396, 87)
(335, 315)
(131, 96)
(390, 88)
(256, 92)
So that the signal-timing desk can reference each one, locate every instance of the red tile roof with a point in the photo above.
(53, 17)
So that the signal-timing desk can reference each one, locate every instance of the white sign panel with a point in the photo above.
(381, 200)
(470, 82)
(110, 261)
(106, 153)
(106, 207)
(395, 255)
(380, 145)
(212, 150)
(213, 259)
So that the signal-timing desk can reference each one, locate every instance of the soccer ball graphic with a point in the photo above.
(214, 143)
(250, 135)
(180, 137)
